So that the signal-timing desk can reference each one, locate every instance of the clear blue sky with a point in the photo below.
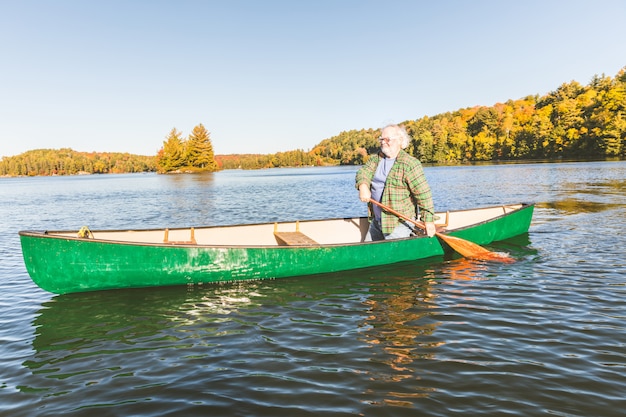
(265, 76)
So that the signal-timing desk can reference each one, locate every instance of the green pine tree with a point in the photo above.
(199, 152)
(171, 156)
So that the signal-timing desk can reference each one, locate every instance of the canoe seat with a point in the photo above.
(192, 238)
(296, 238)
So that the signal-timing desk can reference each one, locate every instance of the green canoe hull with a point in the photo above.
(66, 264)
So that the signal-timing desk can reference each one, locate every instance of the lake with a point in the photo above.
(543, 336)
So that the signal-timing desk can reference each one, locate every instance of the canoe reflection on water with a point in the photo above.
(371, 325)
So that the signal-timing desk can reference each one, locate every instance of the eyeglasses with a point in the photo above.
(381, 139)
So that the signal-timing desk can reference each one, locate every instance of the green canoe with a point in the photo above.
(75, 261)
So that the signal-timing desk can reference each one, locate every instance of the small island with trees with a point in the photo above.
(584, 122)
(194, 154)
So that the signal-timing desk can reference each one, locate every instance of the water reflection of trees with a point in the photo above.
(399, 323)
(402, 321)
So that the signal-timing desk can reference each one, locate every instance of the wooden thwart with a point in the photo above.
(296, 238)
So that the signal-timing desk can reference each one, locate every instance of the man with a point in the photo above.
(395, 179)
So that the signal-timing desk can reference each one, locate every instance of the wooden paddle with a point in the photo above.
(464, 247)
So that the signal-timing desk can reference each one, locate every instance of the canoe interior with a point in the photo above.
(301, 233)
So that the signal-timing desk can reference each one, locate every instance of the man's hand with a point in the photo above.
(430, 229)
(364, 193)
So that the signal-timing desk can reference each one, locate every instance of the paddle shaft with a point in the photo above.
(398, 214)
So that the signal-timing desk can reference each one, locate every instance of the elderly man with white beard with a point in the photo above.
(395, 179)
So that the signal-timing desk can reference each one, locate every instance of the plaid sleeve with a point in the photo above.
(420, 191)
(365, 174)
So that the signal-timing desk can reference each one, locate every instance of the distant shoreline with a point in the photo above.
(426, 165)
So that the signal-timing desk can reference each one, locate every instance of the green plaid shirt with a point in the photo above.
(406, 189)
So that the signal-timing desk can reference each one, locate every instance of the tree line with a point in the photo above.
(572, 122)
(196, 154)
(296, 158)
(47, 162)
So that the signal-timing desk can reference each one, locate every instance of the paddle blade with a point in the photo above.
(472, 250)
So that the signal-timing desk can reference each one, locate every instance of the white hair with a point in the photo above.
(400, 134)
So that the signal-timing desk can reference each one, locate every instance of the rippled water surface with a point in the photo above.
(543, 336)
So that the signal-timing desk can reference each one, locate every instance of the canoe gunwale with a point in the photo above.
(46, 235)
(523, 206)
(61, 234)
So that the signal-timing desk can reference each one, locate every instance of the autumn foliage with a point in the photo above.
(575, 121)
(46, 162)
(572, 122)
